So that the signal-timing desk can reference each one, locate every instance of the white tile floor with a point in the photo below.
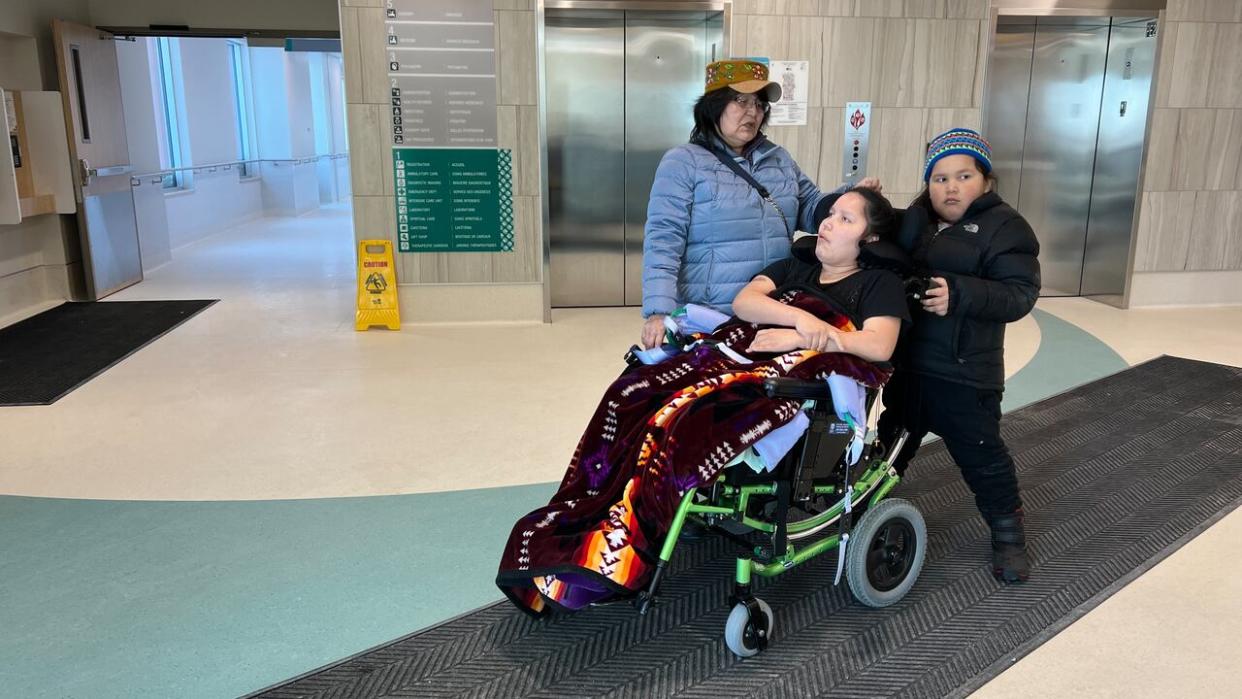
(272, 394)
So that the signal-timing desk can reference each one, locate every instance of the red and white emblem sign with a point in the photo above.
(857, 128)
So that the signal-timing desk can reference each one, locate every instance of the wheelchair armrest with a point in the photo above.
(782, 387)
(816, 389)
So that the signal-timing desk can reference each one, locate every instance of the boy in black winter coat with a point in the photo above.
(982, 260)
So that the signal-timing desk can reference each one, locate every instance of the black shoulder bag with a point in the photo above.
(763, 192)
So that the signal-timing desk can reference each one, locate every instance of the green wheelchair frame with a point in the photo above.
(883, 553)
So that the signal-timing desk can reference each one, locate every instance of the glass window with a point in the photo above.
(168, 79)
(241, 93)
(319, 104)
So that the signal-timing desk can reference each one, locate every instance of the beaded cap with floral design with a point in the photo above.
(743, 76)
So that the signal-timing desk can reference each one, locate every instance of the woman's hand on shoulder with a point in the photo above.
(871, 183)
(653, 331)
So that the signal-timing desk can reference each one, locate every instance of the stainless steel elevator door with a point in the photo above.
(621, 87)
(585, 111)
(1058, 154)
(666, 54)
(1118, 157)
(1005, 111)
(1066, 114)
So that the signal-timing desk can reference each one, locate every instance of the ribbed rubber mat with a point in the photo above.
(46, 356)
(1116, 475)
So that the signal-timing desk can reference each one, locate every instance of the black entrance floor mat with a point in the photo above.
(1116, 475)
(48, 355)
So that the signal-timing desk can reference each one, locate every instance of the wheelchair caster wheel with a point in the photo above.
(885, 553)
(745, 633)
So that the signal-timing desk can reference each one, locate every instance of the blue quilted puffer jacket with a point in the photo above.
(708, 231)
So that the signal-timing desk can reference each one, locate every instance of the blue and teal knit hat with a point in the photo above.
(955, 142)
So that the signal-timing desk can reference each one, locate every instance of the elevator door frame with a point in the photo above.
(722, 6)
(1095, 8)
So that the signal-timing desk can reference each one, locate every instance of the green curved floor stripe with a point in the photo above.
(1068, 356)
(216, 599)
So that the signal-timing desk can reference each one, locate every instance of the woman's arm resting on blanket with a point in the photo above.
(753, 305)
(874, 343)
(776, 340)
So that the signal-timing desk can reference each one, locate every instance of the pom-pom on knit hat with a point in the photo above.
(958, 142)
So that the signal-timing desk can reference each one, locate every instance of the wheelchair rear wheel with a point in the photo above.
(747, 634)
(885, 553)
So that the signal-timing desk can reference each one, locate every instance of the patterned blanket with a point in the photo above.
(659, 431)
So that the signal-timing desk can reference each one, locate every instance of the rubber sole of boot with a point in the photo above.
(1009, 576)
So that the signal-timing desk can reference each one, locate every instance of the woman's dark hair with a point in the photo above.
(924, 198)
(709, 108)
(881, 219)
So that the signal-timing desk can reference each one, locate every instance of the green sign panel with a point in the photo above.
(454, 199)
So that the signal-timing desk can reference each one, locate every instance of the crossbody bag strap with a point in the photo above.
(746, 176)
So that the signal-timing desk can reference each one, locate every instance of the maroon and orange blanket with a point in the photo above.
(659, 431)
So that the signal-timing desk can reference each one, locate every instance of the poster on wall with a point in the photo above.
(453, 185)
(793, 77)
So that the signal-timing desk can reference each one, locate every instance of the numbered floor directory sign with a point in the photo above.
(453, 185)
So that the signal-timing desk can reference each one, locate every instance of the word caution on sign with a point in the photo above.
(377, 286)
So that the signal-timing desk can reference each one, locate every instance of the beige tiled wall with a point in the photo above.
(1190, 217)
(366, 94)
(919, 62)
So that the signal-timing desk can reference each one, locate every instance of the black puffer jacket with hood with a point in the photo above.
(990, 260)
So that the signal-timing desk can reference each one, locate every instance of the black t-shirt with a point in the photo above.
(864, 294)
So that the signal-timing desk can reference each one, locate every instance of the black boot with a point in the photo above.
(1009, 562)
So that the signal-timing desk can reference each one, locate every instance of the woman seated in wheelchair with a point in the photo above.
(666, 428)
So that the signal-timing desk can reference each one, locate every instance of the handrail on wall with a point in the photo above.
(158, 176)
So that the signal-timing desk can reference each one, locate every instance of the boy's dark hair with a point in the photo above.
(709, 108)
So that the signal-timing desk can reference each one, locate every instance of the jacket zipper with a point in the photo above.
(955, 347)
(711, 271)
(957, 339)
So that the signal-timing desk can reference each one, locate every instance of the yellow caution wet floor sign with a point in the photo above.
(377, 286)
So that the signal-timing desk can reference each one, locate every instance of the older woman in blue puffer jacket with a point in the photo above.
(709, 229)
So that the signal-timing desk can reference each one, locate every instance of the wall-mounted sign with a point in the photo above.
(453, 185)
(793, 77)
(441, 73)
(857, 136)
(454, 199)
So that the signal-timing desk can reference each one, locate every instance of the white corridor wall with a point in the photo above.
(284, 112)
(283, 128)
